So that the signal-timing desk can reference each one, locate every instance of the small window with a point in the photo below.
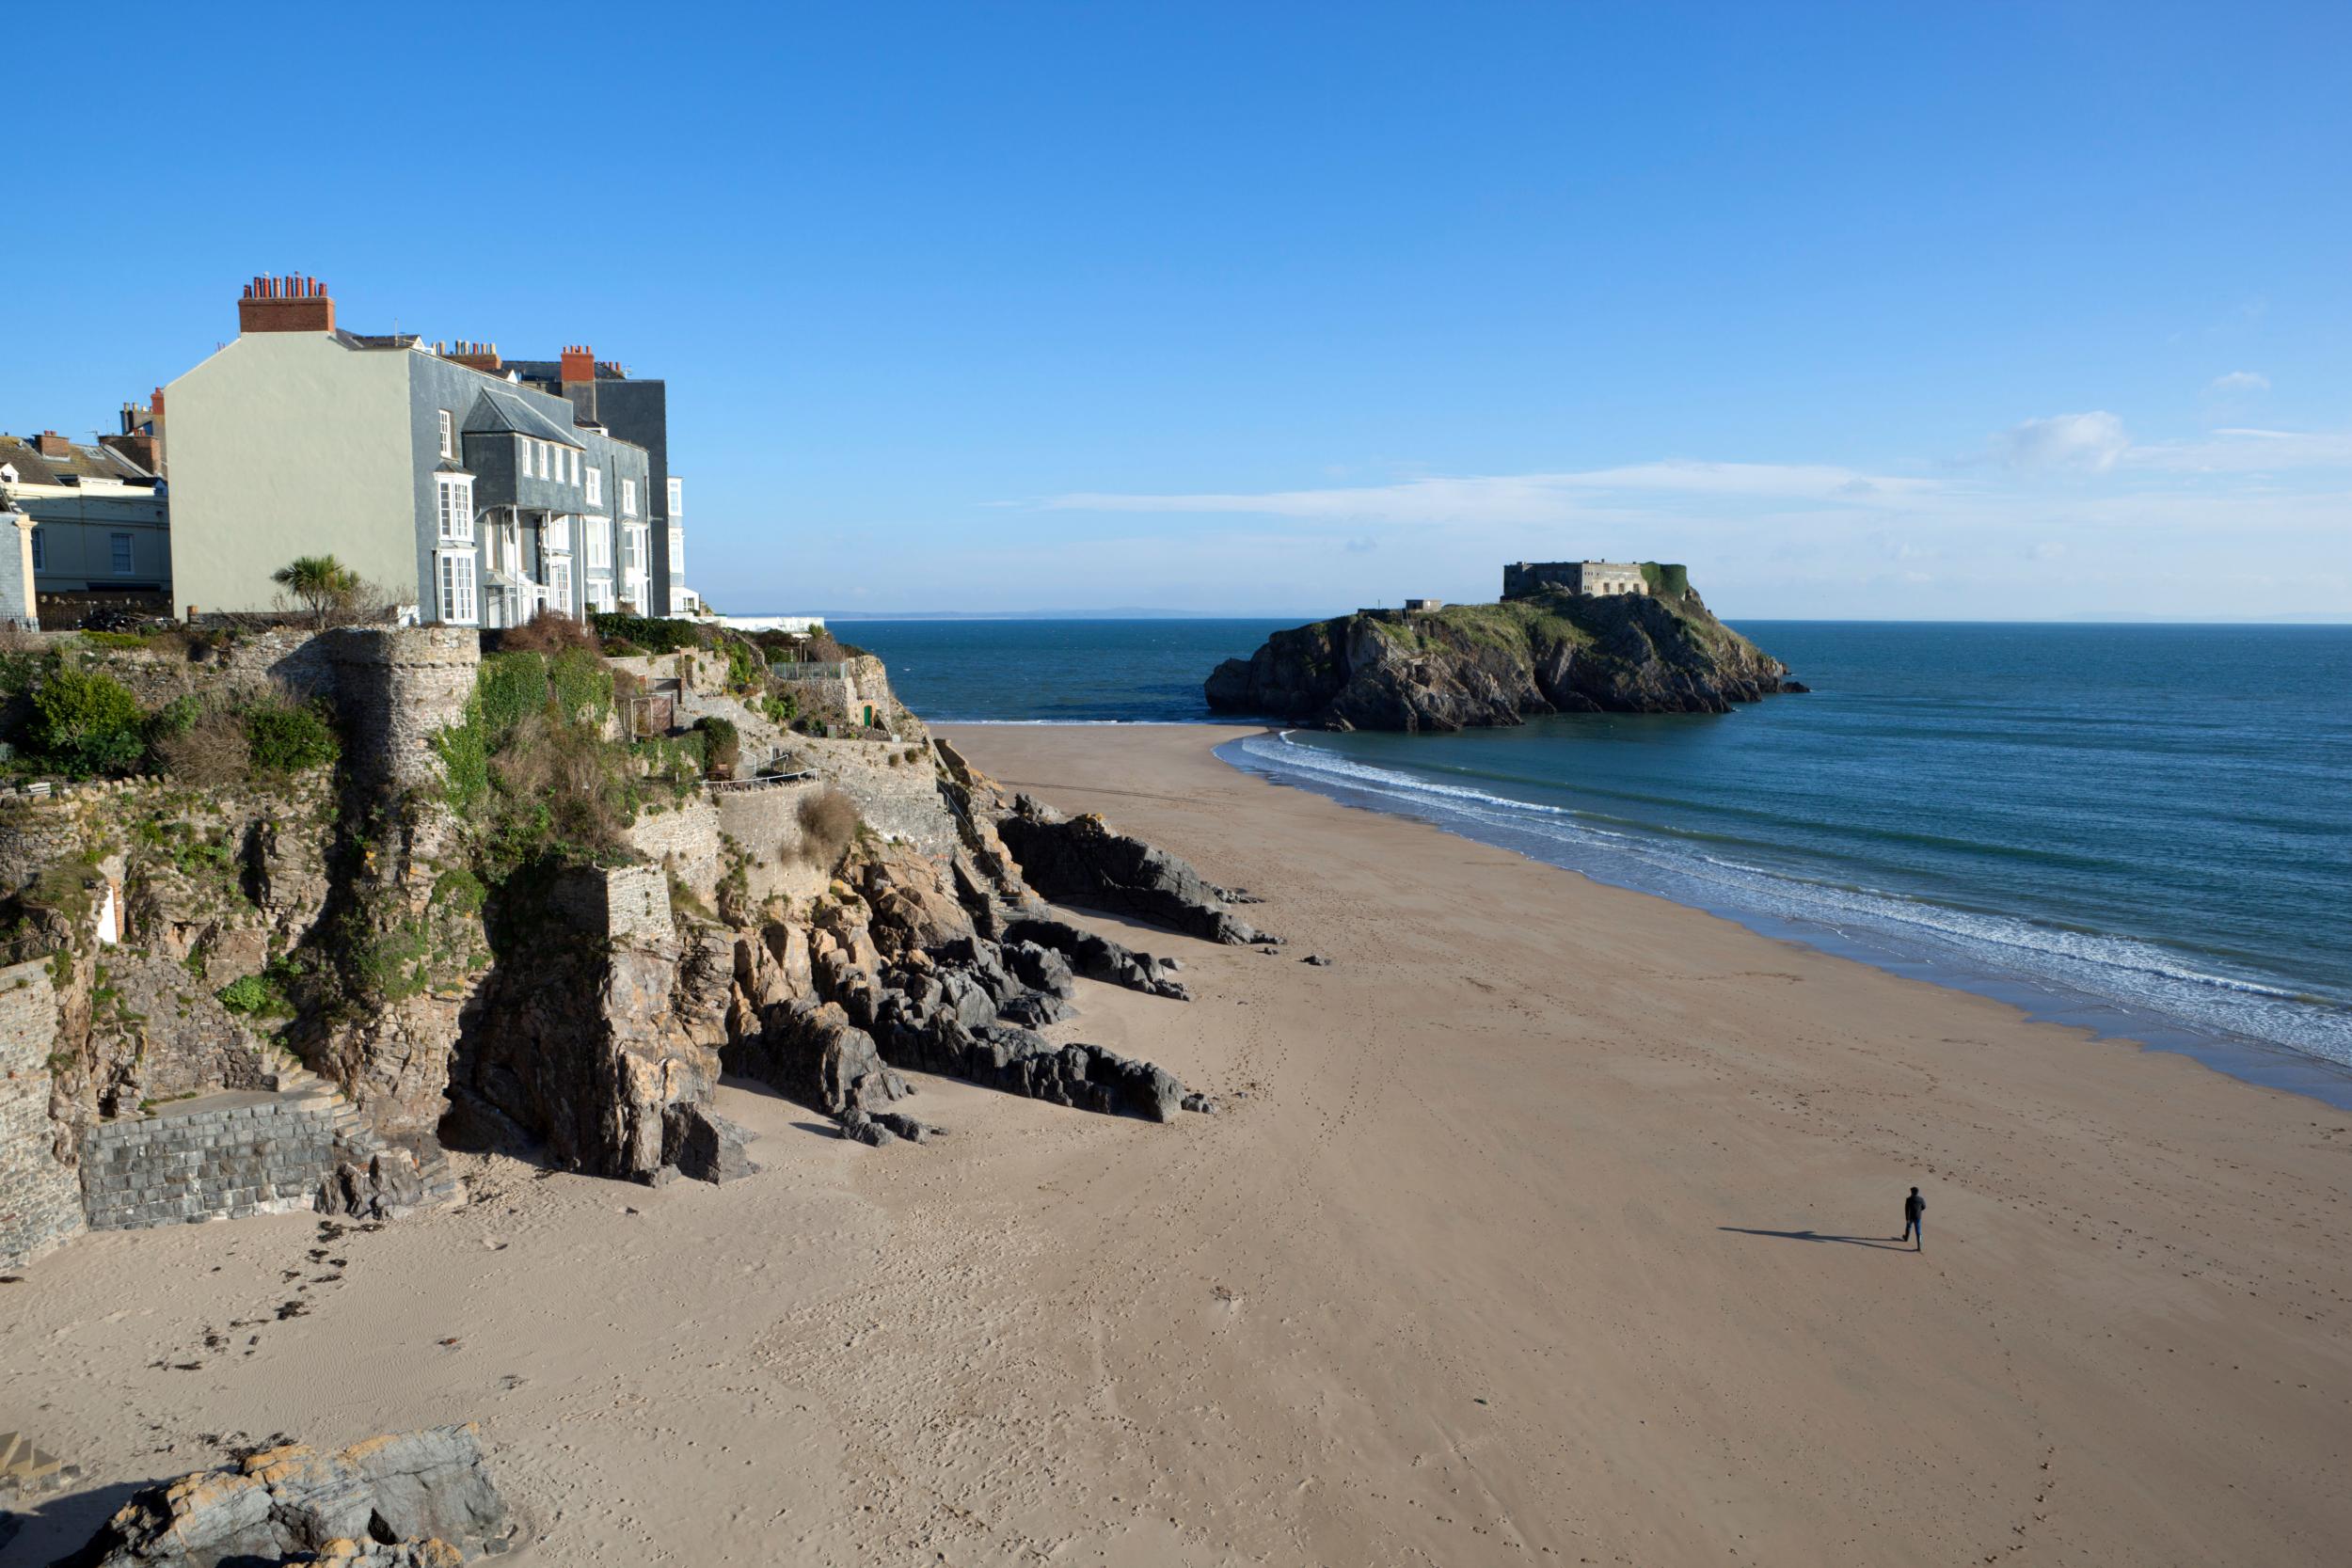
(574, 462)
(677, 497)
(560, 584)
(522, 456)
(119, 549)
(449, 434)
(678, 551)
(629, 498)
(596, 540)
(596, 486)
(558, 535)
(40, 552)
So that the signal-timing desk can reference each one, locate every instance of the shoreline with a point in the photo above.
(1485, 1258)
(2264, 1063)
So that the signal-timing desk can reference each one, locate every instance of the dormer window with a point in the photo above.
(449, 434)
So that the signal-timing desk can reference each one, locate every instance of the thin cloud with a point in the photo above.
(2083, 443)
(1518, 497)
(2240, 381)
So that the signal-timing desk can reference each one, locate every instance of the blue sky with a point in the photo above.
(1862, 310)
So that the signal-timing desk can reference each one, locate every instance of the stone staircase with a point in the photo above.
(356, 1140)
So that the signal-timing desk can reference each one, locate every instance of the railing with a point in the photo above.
(766, 781)
(813, 670)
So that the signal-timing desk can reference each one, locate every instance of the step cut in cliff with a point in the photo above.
(1545, 649)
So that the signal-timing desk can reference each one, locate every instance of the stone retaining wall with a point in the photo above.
(900, 800)
(765, 823)
(686, 835)
(40, 1205)
(246, 1158)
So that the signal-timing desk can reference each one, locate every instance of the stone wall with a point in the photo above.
(618, 903)
(899, 799)
(684, 834)
(40, 1205)
(396, 689)
(256, 1156)
(764, 821)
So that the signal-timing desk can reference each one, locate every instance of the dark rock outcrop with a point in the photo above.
(1099, 958)
(1081, 860)
(422, 1498)
(1468, 666)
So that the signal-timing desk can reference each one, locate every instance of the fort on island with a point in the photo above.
(1524, 579)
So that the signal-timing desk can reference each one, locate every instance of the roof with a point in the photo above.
(83, 461)
(498, 411)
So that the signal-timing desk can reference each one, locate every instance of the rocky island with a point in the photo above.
(1575, 637)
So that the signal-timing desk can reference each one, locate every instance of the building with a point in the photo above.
(436, 471)
(1423, 607)
(100, 524)
(1525, 579)
(634, 410)
(142, 435)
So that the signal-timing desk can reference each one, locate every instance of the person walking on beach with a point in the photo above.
(1914, 1230)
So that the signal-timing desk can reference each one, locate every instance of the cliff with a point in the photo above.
(1475, 665)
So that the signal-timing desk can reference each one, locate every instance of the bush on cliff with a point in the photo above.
(289, 737)
(530, 769)
(652, 635)
(829, 821)
(86, 722)
(548, 632)
(722, 745)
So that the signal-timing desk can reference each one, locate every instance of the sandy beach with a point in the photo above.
(1549, 1222)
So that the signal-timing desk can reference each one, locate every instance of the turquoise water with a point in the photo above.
(2144, 829)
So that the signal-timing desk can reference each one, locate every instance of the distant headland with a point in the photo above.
(1566, 637)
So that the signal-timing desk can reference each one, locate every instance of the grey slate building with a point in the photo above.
(433, 470)
(637, 409)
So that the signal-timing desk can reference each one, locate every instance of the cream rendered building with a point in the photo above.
(454, 488)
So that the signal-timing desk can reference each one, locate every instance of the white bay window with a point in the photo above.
(456, 569)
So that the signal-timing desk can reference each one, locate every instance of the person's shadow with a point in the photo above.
(1884, 1243)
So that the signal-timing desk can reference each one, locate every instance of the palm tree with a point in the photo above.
(323, 584)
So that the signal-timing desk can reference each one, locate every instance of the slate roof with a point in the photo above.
(497, 412)
(86, 462)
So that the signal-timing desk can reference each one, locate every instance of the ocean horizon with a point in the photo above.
(2135, 828)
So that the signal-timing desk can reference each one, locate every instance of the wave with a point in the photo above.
(2120, 985)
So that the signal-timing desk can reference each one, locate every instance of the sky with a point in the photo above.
(1985, 311)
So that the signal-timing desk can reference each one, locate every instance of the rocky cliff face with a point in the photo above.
(1468, 666)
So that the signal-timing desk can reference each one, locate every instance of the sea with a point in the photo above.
(2144, 831)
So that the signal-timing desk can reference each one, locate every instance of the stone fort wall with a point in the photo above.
(263, 1158)
(40, 1202)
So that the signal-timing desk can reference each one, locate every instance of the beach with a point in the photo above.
(1549, 1222)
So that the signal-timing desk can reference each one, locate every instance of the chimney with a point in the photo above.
(480, 356)
(156, 404)
(50, 444)
(292, 304)
(578, 365)
(139, 448)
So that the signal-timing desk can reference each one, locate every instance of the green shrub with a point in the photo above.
(654, 636)
(723, 747)
(465, 754)
(460, 891)
(290, 739)
(581, 684)
(84, 722)
(249, 994)
(511, 687)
